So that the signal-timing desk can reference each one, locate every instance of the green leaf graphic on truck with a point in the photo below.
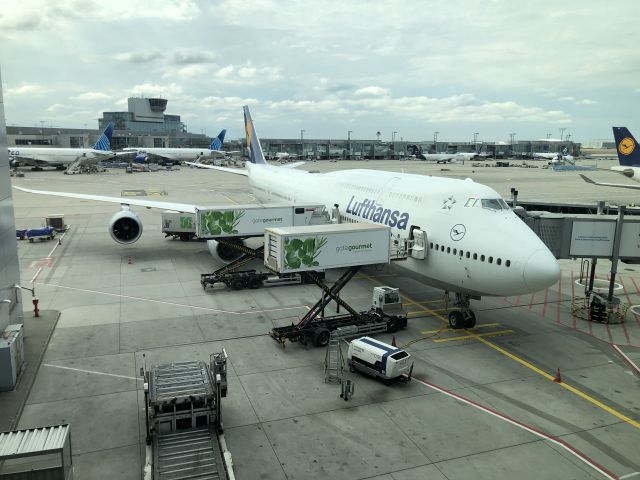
(302, 252)
(218, 223)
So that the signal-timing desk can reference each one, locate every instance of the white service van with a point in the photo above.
(379, 359)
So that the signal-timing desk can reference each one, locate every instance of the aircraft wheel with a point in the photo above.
(471, 321)
(237, 284)
(456, 320)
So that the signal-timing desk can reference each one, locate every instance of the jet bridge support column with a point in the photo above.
(616, 253)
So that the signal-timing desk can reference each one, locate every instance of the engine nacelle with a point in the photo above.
(125, 227)
(224, 253)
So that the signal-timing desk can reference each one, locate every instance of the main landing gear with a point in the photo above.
(464, 316)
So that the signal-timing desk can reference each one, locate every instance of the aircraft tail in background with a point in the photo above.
(253, 142)
(104, 142)
(627, 147)
(216, 144)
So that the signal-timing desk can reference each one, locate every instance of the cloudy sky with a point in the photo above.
(413, 67)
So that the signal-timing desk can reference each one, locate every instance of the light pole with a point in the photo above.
(435, 141)
(513, 136)
(393, 142)
(349, 144)
(302, 143)
(561, 132)
(475, 142)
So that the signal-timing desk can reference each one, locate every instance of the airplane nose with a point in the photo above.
(541, 270)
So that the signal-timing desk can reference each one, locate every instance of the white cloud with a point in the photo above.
(91, 97)
(248, 74)
(372, 91)
(26, 89)
(586, 101)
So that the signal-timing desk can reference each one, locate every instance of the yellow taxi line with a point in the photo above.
(532, 367)
(482, 325)
(474, 336)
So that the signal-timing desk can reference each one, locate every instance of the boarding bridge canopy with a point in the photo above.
(582, 236)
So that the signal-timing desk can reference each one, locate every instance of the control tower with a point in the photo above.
(148, 109)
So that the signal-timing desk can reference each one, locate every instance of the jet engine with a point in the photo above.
(628, 172)
(125, 227)
(222, 252)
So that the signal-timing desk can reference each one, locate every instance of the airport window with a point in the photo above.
(499, 261)
(482, 258)
(508, 263)
(475, 256)
(490, 259)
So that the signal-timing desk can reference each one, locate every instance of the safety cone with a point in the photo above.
(558, 378)
(59, 241)
(129, 262)
(393, 341)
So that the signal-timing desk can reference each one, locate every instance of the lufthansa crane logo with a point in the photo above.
(626, 146)
(457, 232)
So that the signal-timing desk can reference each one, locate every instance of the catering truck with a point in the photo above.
(320, 247)
(379, 359)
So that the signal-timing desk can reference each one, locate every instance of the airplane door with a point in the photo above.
(419, 244)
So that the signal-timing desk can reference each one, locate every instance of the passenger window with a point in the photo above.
(490, 259)
(442, 248)
(437, 247)
(475, 256)
(448, 249)
(508, 263)
(499, 261)
(468, 254)
(431, 245)
(482, 258)
(455, 251)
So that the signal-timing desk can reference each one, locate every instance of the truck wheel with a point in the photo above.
(352, 369)
(321, 337)
(237, 284)
(254, 282)
(31, 240)
(185, 237)
(392, 326)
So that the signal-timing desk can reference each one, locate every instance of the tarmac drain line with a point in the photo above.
(561, 443)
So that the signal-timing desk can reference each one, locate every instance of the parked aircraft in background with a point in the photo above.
(474, 244)
(628, 157)
(560, 157)
(143, 155)
(64, 157)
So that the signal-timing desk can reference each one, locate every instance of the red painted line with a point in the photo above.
(517, 301)
(638, 291)
(609, 333)
(624, 327)
(559, 297)
(546, 302)
(533, 296)
(558, 441)
(627, 360)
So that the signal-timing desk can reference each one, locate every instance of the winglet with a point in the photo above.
(627, 147)
(253, 142)
(216, 144)
(104, 142)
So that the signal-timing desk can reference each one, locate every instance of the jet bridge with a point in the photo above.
(591, 237)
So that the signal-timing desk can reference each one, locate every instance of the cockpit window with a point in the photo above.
(492, 203)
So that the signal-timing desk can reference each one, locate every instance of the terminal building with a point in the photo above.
(145, 124)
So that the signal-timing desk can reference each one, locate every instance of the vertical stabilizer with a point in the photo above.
(253, 142)
(216, 144)
(104, 142)
(627, 147)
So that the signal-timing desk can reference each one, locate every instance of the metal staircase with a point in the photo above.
(333, 360)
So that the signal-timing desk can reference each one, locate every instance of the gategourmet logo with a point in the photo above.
(360, 247)
(268, 220)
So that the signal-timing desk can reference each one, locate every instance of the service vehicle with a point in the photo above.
(379, 359)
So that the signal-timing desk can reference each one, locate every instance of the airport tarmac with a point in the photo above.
(483, 403)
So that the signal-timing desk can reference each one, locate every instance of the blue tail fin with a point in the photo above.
(216, 144)
(253, 142)
(104, 142)
(627, 147)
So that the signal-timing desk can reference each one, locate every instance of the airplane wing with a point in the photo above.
(605, 184)
(292, 165)
(176, 207)
(235, 171)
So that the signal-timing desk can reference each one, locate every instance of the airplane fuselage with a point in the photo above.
(473, 249)
(178, 154)
(56, 156)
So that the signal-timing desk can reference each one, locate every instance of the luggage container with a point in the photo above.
(379, 359)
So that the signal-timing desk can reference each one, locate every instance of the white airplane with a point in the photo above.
(62, 157)
(284, 157)
(447, 157)
(142, 155)
(560, 157)
(628, 157)
(476, 244)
